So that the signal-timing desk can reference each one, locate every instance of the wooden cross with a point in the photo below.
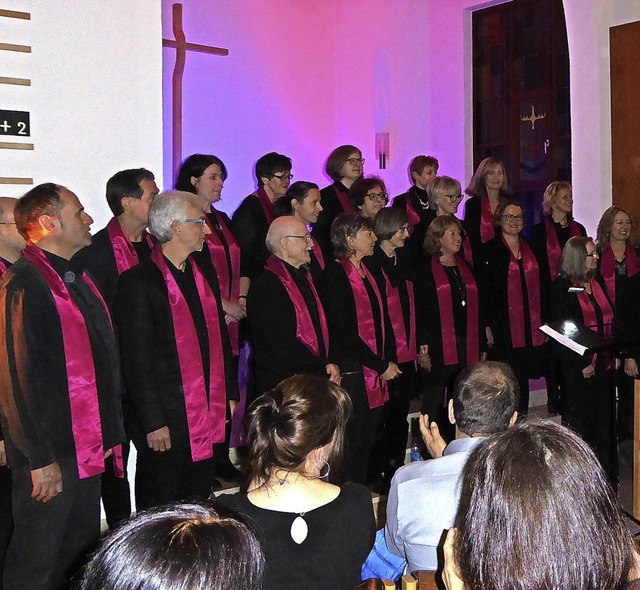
(181, 46)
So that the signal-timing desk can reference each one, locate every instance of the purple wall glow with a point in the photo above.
(301, 79)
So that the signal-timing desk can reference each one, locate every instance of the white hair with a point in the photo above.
(166, 208)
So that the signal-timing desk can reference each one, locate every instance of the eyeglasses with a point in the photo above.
(378, 197)
(282, 176)
(8, 223)
(404, 229)
(592, 255)
(307, 238)
(355, 161)
(201, 220)
(511, 218)
(454, 197)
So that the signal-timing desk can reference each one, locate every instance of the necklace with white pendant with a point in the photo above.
(299, 529)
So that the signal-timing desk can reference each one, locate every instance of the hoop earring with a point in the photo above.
(320, 474)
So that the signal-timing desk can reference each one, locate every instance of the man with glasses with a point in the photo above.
(176, 357)
(286, 318)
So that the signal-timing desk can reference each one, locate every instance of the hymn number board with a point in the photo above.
(14, 123)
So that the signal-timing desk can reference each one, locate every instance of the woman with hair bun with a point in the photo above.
(315, 534)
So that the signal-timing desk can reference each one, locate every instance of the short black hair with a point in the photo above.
(298, 191)
(270, 164)
(126, 183)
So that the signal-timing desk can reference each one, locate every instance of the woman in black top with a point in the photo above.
(510, 276)
(360, 328)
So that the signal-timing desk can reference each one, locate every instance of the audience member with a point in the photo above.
(423, 499)
(315, 534)
(182, 547)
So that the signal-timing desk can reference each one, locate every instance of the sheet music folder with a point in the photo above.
(575, 336)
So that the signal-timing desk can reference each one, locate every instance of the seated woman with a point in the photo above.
(579, 293)
(448, 316)
(252, 217)
(487, 188)
(536, 511)
(315, 534)
(344, 166)
(182, 547)
(509, 274)
(361, 331)
(368, 195)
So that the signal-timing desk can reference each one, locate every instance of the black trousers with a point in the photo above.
(51, 540)
(165, 477)
(116, 492)
(6, 518)
(436, 389)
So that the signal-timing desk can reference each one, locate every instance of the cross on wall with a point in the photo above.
(181, 46)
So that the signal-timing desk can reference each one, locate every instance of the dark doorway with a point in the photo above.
(521, 96)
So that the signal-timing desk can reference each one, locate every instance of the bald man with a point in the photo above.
(286, 319)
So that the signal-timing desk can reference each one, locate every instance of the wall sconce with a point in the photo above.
(382, 149)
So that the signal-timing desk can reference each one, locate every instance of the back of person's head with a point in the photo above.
(485, 397)
(126, 183)
(536, 511)
(182, 547)
(297, 416)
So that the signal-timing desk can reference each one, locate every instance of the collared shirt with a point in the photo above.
(422, 504)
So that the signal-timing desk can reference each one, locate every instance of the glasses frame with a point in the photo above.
(201, 220)
(282, 176)
(308, 237)
(355, 161)
(375, 197)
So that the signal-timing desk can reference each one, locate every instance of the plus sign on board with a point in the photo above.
(15, 123)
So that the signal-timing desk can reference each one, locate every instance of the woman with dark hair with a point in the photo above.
(392, 268)
(548, 238)
(579, 293)
(315, 534)
(619, 266)
(303, 201)
(182, 547)
(536, 511)
(448, 316)
(511, 280)
(368, 196)
(252, 217)
(344, 166)
(487, 188)
(360, 327)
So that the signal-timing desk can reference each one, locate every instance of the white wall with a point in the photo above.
(95, 97)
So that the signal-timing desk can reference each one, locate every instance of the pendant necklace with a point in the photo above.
(299, 529)
(459, 281)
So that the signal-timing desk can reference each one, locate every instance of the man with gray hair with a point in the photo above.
(286, 318)
(424, 495)
(176, 357)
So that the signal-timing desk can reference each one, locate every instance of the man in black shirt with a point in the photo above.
(59, 394)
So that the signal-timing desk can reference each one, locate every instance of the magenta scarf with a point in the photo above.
(229, 284)
(589, 317)
(515, 296)
(123, 250)
(305, 332)
(487, 230)
(608, 268)
(3, 267)
(405, 342)
(267, 205)
(317, 251)
(205, 414)
(377, 390)
(553, 244)
(412, 212)
(447, 323)
(344, 201)
(81, 379)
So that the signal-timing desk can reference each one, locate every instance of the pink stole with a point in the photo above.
(344, 201)
(205, 414)
(305, 331)
(405, 343)
(414, 215)
(83, 393)
(553, 244)
(608, 268)
(514, 293)
(267, 205)
(447, 323)
(229, 284)
(317, 251)
(377, 390)
(589, 317)
(123, 250)
(3, 267)
(487, 231)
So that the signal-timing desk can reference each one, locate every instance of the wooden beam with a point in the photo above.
(196, 47)
(15, 81)
(15, 180)
(13, 47)
(15, 14)
(9, 145)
